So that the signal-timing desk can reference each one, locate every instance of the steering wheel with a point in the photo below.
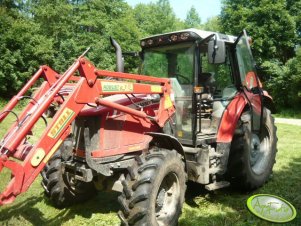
(182, 77)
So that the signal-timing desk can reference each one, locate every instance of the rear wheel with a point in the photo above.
(253, 155)
(62, 188)
(153, 192)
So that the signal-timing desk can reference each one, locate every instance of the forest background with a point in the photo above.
(55, 32)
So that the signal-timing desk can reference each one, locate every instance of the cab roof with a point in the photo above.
(186, 35)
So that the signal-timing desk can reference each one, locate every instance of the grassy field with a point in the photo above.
(224, 207)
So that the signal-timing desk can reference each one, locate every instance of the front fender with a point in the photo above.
(230, 118)
(168, 142)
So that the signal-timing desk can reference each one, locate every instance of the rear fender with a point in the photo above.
(230, 118)
(168, 142)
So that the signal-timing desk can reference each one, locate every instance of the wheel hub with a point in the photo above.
(260, 151)
(167, 199)
(255, 149)
(160, 198)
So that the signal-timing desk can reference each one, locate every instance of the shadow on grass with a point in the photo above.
(28, 210)
(228, 206)
(23, 209)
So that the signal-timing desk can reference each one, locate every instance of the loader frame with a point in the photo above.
(72, 93)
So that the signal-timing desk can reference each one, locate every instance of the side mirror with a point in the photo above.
(216, 52)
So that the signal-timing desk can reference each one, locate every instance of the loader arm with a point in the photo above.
(77, 91)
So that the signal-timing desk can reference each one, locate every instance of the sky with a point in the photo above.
(205, 8)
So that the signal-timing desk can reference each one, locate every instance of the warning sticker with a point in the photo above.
(167, 102)
(117, 87)
(60, 123)
(156, 89)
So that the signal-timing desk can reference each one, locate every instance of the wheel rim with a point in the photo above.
(260, 151)
(73, 183)
(167, 199)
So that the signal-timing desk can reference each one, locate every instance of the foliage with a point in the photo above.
(22, 49)
(271, 26)
(155, 18)
(275, 27)
(37, 32)
(278, 81)
(212, 24)
(192, 18)
(284, 81)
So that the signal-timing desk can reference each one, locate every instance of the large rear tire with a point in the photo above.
(154, 189)
(252, 156)
(62, 188)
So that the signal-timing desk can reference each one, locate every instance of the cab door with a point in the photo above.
(248, 78)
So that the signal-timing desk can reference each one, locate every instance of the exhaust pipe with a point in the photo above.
(119, 58)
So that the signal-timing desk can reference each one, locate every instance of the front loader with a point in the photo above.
(205, 117)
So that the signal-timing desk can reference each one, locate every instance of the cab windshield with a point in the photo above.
(175, 61)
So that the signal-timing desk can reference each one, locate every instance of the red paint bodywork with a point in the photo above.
(233, 112)
(230, 118)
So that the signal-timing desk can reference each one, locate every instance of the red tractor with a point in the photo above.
(205, 117)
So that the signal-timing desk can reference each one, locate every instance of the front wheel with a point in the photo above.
(153, 193)
(252, 155)
(61, 187)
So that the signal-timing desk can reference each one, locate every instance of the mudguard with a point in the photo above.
(233, 112)
(230, 118)
(168, 142)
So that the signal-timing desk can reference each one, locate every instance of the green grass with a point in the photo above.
(224, 207)
(228, 207)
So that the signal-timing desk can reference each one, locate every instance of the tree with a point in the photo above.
(275, 27)
(285, 81)
(22, 49)
(212, 24)
(193, 19)
(155, 18)
(78, 24)
(294, 9)
(294, 77)
(56, 32)
(267, 21)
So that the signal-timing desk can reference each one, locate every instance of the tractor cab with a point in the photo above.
(197, 82)
(202, 67)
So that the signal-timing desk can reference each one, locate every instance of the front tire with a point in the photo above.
(62, 188)
(154, 190)
(252, 156)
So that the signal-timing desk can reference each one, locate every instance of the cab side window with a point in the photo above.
(220, 74)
